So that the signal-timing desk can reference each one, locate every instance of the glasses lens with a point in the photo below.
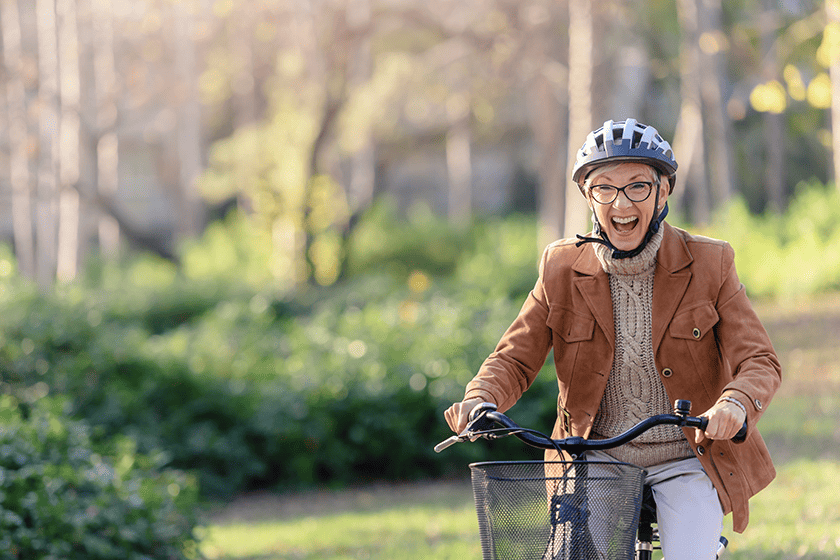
(637, 192)
(604, 193)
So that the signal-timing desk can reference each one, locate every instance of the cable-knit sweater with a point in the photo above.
(634, 389)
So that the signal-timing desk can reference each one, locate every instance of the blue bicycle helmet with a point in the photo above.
(627, 140)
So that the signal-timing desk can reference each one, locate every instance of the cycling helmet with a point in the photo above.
(627, 140)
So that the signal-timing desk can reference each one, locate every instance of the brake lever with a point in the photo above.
(477, 414)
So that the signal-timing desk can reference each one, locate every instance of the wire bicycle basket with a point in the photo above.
(565, 510)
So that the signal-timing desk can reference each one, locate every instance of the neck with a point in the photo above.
(640, 263)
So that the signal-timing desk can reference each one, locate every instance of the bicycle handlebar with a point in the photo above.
(485, 415)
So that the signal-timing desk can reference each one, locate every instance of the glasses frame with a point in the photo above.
(650, 185)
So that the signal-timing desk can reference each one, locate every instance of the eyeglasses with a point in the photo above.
(635, 192)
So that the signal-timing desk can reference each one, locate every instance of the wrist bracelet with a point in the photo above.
(735, 402)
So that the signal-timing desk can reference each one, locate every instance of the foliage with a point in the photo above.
(423, 241)
(254, 387)
(62, 496)
(784, 256)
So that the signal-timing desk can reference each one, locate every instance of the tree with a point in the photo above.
(547, 90)
(18, 134)
(67, 253)
(689, 136)
(774, 121)
(102, 114)
(48, 145)
(189, 140)
(832, 45)
(712, 40)
(581, 74)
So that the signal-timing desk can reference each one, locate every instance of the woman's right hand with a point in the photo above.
(458, 415)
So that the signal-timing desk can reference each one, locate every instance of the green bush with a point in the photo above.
(251, 387)
(383, 242)
(61, 497)
(790, 255)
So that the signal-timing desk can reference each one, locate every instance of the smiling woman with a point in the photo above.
(637, 315)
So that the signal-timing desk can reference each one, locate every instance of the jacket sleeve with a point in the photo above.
(745, 345)
(521, 352)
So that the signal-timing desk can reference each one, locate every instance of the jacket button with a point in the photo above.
(758, 404)
(667, 372)
(696, 332)
(700, 450)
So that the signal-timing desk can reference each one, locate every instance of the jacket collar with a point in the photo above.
(673, 255)
(669, 285)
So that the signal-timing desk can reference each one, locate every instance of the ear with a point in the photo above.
(663, 193)
(588, 198)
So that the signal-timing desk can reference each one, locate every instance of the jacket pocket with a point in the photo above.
(694, 323)
(570, 325)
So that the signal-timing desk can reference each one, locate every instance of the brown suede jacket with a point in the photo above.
(707, 339)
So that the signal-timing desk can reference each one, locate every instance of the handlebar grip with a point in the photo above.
(448, 442)
(737, 438)
(741, 435)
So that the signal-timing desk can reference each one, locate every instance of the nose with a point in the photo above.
(621, 201)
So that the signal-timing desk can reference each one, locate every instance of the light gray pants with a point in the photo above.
(688, 510)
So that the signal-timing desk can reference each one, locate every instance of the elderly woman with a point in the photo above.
(640, 314)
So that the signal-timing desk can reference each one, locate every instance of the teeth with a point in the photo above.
(624, 220)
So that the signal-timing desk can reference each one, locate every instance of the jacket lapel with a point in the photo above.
(670, 283)
(594, 287)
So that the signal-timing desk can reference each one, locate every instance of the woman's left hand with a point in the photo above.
(725, 419)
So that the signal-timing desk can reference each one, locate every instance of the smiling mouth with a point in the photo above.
(624, 225)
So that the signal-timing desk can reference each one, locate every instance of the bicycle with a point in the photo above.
(566, 510)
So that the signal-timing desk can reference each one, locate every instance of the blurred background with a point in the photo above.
(135, 125)
(261, 246)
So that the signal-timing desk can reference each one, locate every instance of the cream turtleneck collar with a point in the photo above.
(642, 263)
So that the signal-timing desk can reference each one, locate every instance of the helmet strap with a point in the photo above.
(655, 224)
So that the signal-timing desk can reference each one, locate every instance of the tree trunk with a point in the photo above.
(581, 71)
(362, 180)
(774, 134)
(70, 95)
(105, 139)
(459, 167)
(832, 8)
(547, 102)
(18, 133)
(87, 118)
(688, 139)
(189, 125)
(711, 90)
(547, 117)
(633, 77)
(243, 96)
(48, 156)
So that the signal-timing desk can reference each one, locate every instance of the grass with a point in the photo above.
(424, 520)
(796, 517)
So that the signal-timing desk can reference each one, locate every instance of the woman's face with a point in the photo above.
(625, 222)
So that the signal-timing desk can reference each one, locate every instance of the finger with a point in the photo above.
(450, 417)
